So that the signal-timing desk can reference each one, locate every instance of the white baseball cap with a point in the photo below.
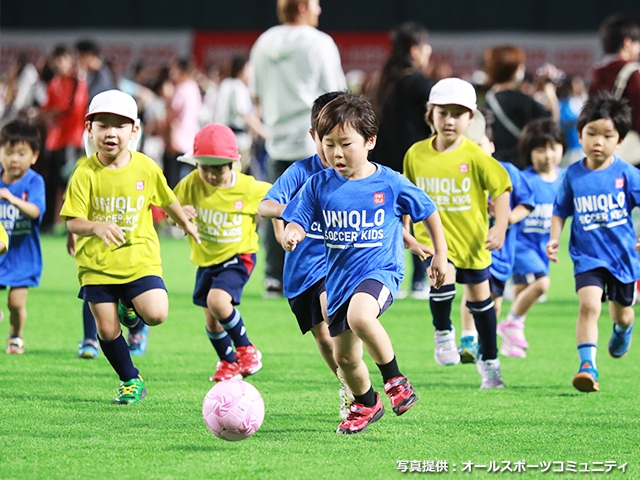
(453, 91)
(116, 102)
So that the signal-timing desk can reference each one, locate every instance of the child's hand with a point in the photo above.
(191, 229)
(290, 239)
(553, 247)
(5, 194)
(71, 243)
(109, 233)
(438, 270)
(189, 211)
(495, 238)
(491, 208)
(420, 250)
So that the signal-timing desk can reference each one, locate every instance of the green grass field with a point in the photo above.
(57, 420)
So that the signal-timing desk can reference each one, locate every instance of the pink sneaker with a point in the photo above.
(513, 332)
(508, 349)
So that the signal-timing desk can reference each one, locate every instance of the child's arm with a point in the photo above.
(177, 214)
(108, 232)
(271, 209)
(415, 246)
(439, 267)
(278, 229)
(519, 213)
(71, 243)
(495, 237)
(557, 223)
(31, 210)
(293, 235)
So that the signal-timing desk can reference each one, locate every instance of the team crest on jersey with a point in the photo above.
(620, 182)
(464, 168)
(378, 198)
(140, 185)
(239, 205)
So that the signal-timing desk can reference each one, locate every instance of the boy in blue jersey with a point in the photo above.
(522, 203)
(361, 205)
(305, 268)
(22, 204)
(599, 192)
(542, 143)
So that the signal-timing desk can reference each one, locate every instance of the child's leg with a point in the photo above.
(469, 336)
(221, 307)
(89, 323)
(111, 340)
(152, 306)
(347, 349)
(623, 317)
(441, 300)
(219, 338)
(525, 296)
(586, 380)
(17, 304)
(481, 306)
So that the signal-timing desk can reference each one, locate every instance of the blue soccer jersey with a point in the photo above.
(362, 226)
(600, 202)
(22, 265)
(502, 260)
(533, 232)
(305, 265)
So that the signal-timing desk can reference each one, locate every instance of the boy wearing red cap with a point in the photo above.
(224, 204)
(117, 252)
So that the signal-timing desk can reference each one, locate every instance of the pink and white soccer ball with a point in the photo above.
(233, 410)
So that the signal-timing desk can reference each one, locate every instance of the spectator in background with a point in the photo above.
(400, 100)
(182, 119)
(24, 89)
(99, 77)
(571, 98)
(620, 39)
(292, 65)
(512, 109)
(63, 111)
(235, 109)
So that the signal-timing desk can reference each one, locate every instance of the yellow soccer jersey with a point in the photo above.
(4, 238)
(459, 183)
(226, 216)
(123, 196)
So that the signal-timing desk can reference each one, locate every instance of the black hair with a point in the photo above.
(614, 30)
(237, 64)
(538, 133)
(59, 50)
(19, 131)
(319, 104)
(604, 105)
(87, 46)
(350, 110)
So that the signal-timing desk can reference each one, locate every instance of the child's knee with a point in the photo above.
(347, 361)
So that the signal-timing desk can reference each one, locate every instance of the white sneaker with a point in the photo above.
(346, 397)
(490, 372)
(446, 352)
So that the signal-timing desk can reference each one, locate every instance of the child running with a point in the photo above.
(305, 268)
(600, 192)
(543, 143)
(22, 205)
(118, 253)
(458, 174)
(361, 205)
(224, 204)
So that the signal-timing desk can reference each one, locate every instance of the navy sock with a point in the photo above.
(368, 399)
(117, 352)
(484, 315)
(89, 323)
(440, 301)
(234, 326)
(389, 370)
(222, 343)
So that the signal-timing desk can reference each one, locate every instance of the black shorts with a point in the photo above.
(466, 275)
(612, 288)
(528, 278)
(306, 306)
(124, 292)
(338, 322)
(496, 286)
(230, 276)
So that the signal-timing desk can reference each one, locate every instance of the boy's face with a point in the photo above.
(215, 175)
(16, 160)
(346, 150)
(599, 140)
(451, 121)
(546, 158)
(111, 133)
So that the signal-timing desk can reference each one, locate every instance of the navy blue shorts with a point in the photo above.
(528, 278)
(612, 288)
(306, 306)
(496, 286)
(124, 292)
(338, 321)
(230, 276)
(466, 275)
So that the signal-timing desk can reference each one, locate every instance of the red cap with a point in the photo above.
(214, 144)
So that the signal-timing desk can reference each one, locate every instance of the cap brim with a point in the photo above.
(88, 115)
(190, 159)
